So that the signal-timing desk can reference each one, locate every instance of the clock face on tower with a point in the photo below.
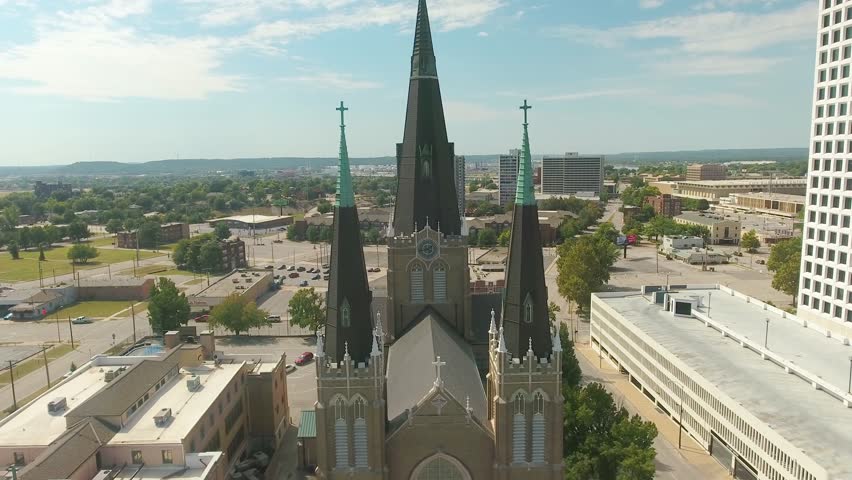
(427, 249)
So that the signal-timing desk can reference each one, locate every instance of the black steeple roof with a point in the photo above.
(348, 318)
(426, 190)
(525, 315)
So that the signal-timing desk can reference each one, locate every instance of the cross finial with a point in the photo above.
(526, 107)
(342, 109)
(346, 349)
(438, 364)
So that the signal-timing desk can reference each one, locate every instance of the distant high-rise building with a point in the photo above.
(825, 288)
(459, 178)
(706, 171)
(537, 175)
(572, 173)
(508, 176)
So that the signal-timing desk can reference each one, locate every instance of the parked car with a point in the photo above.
(282, 267)
(81, 320)
(304, 283)
(290, 368)
(316, 277)
(274, 318)
(325, 277)
(304, 358)
(760, 261)
(293, 275)
(278, 241)
(8, 316)
(291, 268)
(269, 267)
(324, 265)
(202, 318)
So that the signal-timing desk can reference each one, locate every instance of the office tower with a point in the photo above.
(706, 171)
(508, 176)
(825, 295)
(572, 173)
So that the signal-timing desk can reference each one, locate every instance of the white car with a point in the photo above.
(81, 320)
(290, 368)
(8, 316)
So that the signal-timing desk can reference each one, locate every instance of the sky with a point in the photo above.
(140, 80)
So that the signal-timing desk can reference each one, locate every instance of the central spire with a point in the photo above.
(524, 192)
(426, 190)
(345, 196)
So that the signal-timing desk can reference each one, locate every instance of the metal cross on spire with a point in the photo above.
(438, 364)
(526, 108)
(342, 109)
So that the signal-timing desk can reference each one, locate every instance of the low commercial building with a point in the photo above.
(770, 203)
(253, 222)
(248, 284)
(118, 411)
(548, 224)
(169, 233)
(713, 190)
(706, 171)
(678, 242)
(758, 388)
(697, 256)
(43, 190)
(665, 205)
(722, 230)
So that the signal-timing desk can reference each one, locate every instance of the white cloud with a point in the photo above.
(719, 4)
(572, 96)
(89, 54)
(703, 38)
(332, 80)
(651, 3)
(462, 111)
(482, 34)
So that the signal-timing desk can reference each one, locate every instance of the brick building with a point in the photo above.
(665, 205)
(169, 233)
(706, 171)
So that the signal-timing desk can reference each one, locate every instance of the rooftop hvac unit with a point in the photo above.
(193, 383)
(56, 405)
(162, 417)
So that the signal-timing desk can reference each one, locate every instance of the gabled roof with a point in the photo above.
(120, 394)
(68, 452)
(411, 373)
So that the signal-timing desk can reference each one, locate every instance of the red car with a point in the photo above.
(304, 358)
(202, 318)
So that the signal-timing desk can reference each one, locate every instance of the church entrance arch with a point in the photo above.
(440, 467)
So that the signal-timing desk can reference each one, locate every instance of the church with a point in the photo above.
(433, 382)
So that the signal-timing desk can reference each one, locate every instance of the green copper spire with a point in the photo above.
(524, 193)
(345, 196)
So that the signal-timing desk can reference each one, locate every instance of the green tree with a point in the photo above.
(571, 373)
(210, 256)
(41, 257)
(293, 234)
(14, 251)
(473, 186)
(785, 261)
(487, 237)
(552, 310)
(307, 309)
(602, 441)
(324, 207)
(114, 226)
(168, 307)
(237, 314)
(81, 253)
(750, 241)
(221, 231)
(583, 268)
(607, 231)
(52, 235)
(372, 236)
(78, 231)
(148, 234)
(504, 237)
(313, 234)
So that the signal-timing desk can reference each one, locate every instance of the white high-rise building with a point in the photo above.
(825, 288)
(458, 176)
(572, 173)
(508, 176)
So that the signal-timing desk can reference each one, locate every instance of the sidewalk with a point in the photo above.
(636, 402)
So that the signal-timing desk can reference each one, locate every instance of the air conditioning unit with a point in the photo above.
(56, 405)
(109, 375)
(193, 383)
(163, 417)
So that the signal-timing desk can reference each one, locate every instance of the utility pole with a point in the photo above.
(40, 277)
(680, 423)
(766, 336)
(58, 334)
(133, 315)
(46, 368)
(12, 377)
(378, 262)
(272, 246)
(709, 297)
(109, 271)
(71, 330)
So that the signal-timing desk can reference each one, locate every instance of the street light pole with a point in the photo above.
(46, 368)
(849, 388)
(709, 297)
(71, 330)
(12, 377)
(133, 315)
(766, 336)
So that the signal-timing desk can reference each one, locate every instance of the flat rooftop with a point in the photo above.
(250, 218)
(33, 425)
(781, 197)
(187, 406)
(200, 466)
(742, 182)
(227, 285)
(810, 419)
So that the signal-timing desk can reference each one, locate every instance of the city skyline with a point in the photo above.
(144, 80)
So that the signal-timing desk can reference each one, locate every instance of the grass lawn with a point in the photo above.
(93, 309)
(56, 262)
(160, 270)
(102, 241)
(36, 362)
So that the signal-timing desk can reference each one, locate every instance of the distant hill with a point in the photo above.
(202, 166)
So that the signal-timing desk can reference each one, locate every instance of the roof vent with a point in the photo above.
(193, 383)
(162, 417)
